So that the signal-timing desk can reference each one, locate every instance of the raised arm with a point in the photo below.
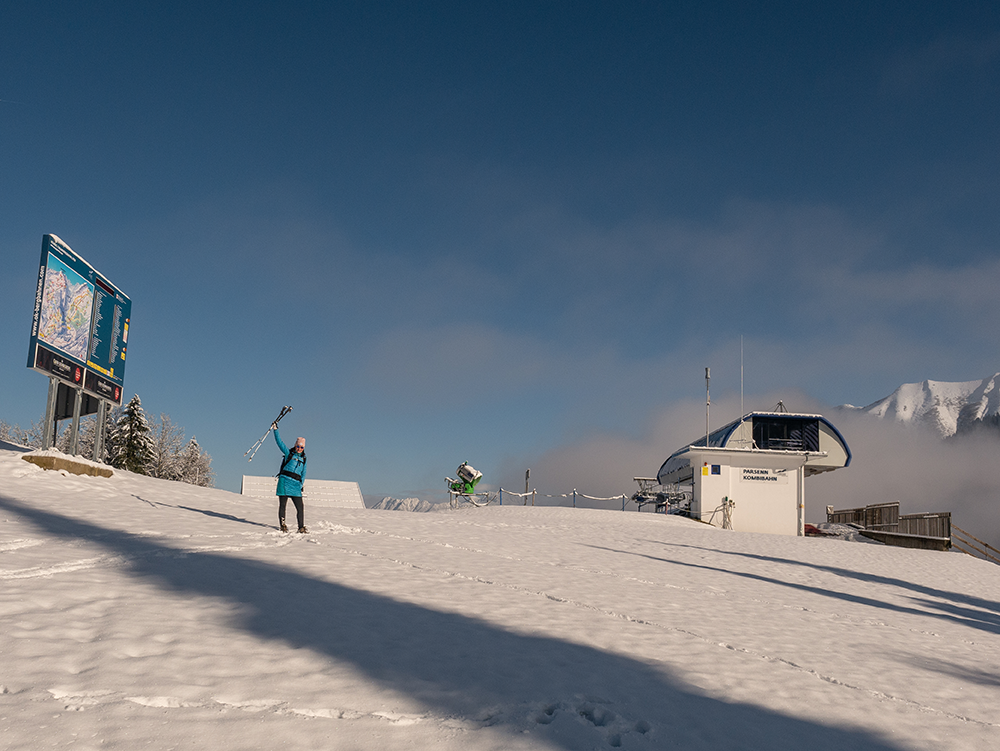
(281, 443)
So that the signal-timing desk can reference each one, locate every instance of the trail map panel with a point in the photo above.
(79, 331)
(67, 303)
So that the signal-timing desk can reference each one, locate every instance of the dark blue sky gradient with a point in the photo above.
(474, 231)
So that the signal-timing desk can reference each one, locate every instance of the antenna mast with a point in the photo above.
(742, 411)
(708, 402)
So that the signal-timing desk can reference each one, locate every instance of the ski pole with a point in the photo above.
(253, 449)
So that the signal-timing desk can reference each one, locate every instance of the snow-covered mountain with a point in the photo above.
(403, 504)
(948, 408)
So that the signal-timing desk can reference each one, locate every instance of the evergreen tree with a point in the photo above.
(130, 442)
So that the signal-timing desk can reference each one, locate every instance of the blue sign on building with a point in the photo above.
(79, 332)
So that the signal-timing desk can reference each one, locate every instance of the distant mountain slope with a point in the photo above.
(948, 408)
(403, 504)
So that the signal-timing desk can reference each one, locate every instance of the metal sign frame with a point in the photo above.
(79, 331)
(79, 338)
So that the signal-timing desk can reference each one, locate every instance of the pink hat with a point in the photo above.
(300, 441)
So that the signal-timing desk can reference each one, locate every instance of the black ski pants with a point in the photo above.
(300, 509)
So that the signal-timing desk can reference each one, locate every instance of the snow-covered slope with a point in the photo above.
(140, 613)
(948, 408)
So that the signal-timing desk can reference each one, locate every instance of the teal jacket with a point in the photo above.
(292, 464)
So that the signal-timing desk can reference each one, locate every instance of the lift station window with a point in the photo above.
(786, 434)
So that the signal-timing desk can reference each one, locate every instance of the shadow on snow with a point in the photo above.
(966, 610)
(456, 665)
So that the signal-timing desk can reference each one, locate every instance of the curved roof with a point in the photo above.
(797, 437)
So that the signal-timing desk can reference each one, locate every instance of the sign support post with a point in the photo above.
(102, 411)
(74, 431)
(49, 423)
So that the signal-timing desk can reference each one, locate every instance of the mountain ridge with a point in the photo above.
(949, 407)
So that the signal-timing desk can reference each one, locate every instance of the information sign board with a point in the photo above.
(79, 332)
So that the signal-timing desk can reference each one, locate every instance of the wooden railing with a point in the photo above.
(883, 522)
(885, 518)
(962, 540)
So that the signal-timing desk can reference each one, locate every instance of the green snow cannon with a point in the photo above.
(468, 478)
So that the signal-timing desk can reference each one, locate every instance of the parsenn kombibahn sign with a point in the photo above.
(79, 333)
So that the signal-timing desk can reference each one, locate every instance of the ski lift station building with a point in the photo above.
(750, 474)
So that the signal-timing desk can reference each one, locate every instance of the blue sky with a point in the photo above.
(490, 231)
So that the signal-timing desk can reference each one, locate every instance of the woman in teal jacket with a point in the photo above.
(290, 479)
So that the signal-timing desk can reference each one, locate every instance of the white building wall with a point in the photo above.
(766, 500)
(836, 454)
(315, 493)
(766, 489)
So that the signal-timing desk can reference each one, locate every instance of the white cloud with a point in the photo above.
(890, 463)
(918, 469)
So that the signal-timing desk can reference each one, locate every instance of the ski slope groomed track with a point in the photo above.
(144, 614)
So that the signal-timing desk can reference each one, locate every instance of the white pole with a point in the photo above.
(801, 510)
(708, 403)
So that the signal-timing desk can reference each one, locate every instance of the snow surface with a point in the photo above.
(143, 613)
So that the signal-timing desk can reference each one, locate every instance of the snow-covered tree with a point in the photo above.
(168, 444)
(32, 437)
(194, 466)
(9, 432)
(61, 438)
(88, 434)
(130, 443)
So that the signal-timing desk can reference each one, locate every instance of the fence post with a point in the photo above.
(501, 496)
(532, 496)
(574, 497)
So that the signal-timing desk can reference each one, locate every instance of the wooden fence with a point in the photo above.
(883, 522)
(926, 525)
(882, 516)
(965, 542)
